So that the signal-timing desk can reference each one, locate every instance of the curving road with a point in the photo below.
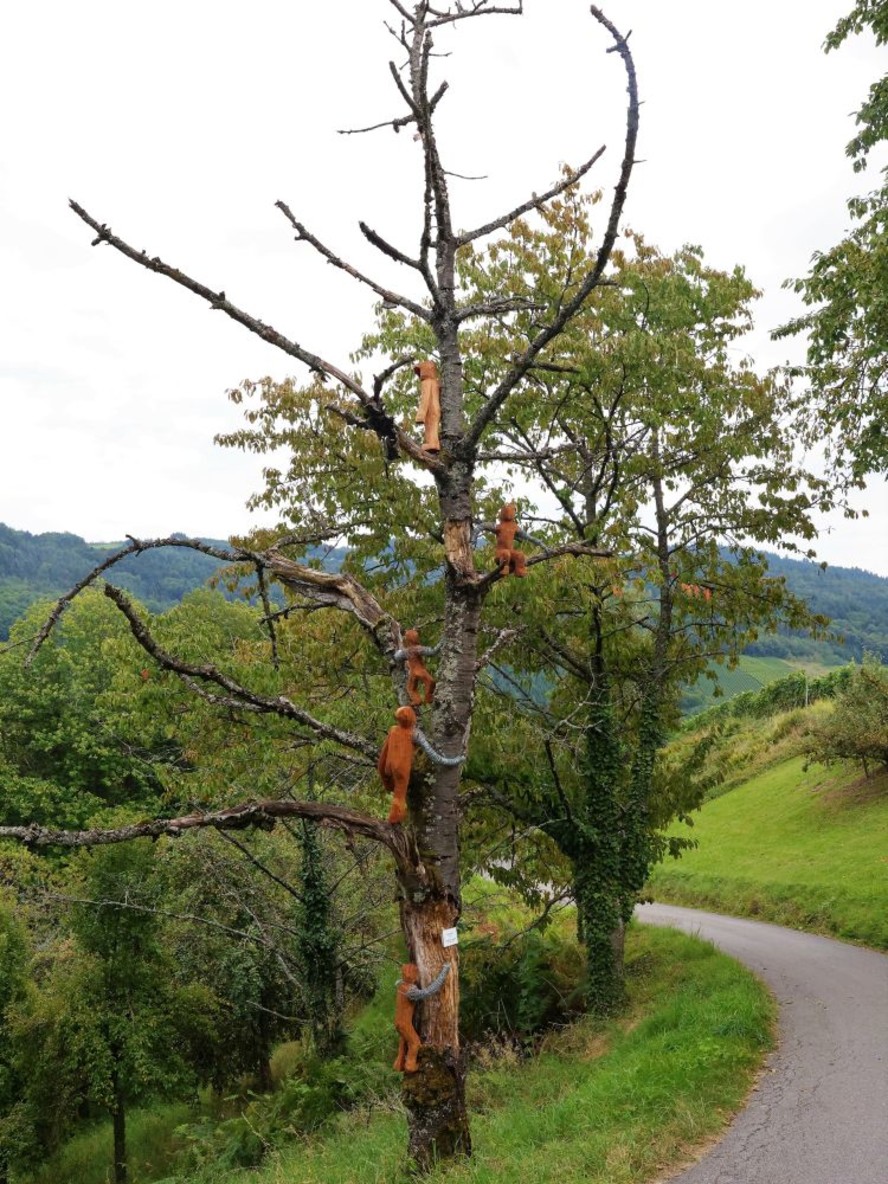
(820, 1112)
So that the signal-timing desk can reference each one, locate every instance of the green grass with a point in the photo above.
(806, 849)
(613, 1103)
(87, 1158)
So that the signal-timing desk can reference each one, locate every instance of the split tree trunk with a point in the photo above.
(434, 1095)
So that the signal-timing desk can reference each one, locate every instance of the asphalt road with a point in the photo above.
(820, 1112)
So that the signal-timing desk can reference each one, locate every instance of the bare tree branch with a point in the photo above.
(533, 203)
(134, 547)
(304, 234)
(594, 275)
(478, 8)
(386, 247)
(341, 590)
(218, 300)
(263, 815)
(278, 705)
(499, 305)
(491, 577)
(502, 638)
(395, 124)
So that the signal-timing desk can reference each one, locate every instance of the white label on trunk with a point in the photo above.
(449, 937)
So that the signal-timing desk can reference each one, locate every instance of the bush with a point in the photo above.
(522, 987)
(784, 694)
(857, 728)
(301, 1104)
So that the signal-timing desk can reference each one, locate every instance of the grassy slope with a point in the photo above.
(799, 848)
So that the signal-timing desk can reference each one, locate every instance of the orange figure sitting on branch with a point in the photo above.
(412, 653)
(429, 411)
(409, 993)
(510, 560)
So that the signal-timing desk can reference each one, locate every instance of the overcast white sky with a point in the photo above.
(180, 123)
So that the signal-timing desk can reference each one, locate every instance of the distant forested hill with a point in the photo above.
(35, 566)
(856, 602)
(45, 565)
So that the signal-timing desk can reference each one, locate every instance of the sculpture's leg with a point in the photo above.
(398, 1066)
(413, 1046)
(432, 424)
(518, 565)
(398, 812)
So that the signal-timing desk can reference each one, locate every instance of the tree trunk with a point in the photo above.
(600, 922)
(434, 1095)
(118, 1117)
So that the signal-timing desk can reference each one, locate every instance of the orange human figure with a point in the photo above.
(428, 413)
(506, 556)
(412, 653)
(396, 761)
(407, 996)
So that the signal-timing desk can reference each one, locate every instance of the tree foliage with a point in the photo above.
(846, 292)
(639, 433)
(106, 1026)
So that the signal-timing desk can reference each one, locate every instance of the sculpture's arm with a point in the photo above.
(427, 651)
(382, 764)
(421, 739)
(416, 994)
(528, 538)
(482, 528)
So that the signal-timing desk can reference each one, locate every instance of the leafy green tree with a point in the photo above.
(856, 729)
(845, 291)
(650, 441)
(108, 1027)
(66, 735)
(14, 960)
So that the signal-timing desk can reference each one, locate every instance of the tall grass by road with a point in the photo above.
(805, 847)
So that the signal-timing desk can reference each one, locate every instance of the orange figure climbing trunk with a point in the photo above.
(396, 761)
(409, 993)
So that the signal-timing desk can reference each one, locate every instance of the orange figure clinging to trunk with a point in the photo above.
(409, 993)
(429, 411)
(396, 761)
(412, 653)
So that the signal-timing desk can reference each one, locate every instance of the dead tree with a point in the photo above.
(425, 850)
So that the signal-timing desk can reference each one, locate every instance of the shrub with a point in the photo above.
(857, 728)
(522, 987)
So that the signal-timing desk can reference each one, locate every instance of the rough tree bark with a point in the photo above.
(426, 849)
